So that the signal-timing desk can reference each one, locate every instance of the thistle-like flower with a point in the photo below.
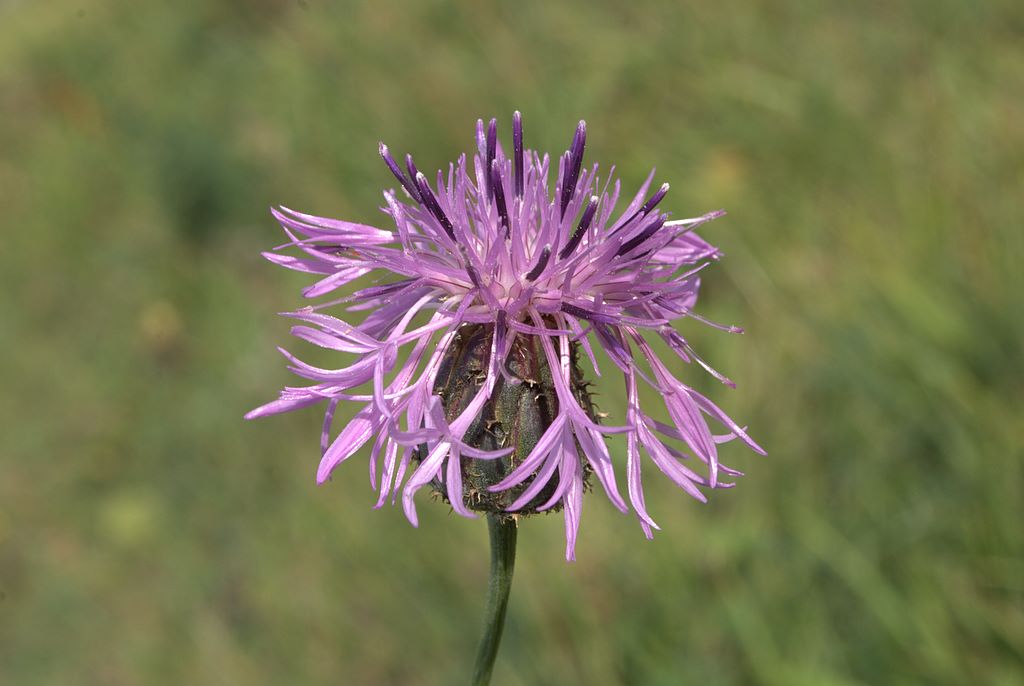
(468, 366)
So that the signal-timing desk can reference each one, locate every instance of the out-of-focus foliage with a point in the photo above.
(871, 157)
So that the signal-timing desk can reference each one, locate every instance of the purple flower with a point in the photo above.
(490, 253)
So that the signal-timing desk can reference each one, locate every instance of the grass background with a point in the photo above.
(871, 157)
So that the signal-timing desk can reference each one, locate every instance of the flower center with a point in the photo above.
(516, 415)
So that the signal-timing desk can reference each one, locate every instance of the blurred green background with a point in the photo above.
(871, 158)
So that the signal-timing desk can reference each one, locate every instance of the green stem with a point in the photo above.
(503, 560)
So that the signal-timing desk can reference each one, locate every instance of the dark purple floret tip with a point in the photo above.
(409, 187)
(653, 201)
(410, 166)
(430, 200)
(517, 147)
(581, 229)
(573, 163)
(641, 237)
(499, 197)
(542, 262)
(492, 146)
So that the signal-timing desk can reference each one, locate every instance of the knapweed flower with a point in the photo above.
(494, 287)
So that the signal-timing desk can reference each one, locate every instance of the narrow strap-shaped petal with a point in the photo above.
(355, 434)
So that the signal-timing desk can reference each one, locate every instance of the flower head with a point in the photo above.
(498, 284)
